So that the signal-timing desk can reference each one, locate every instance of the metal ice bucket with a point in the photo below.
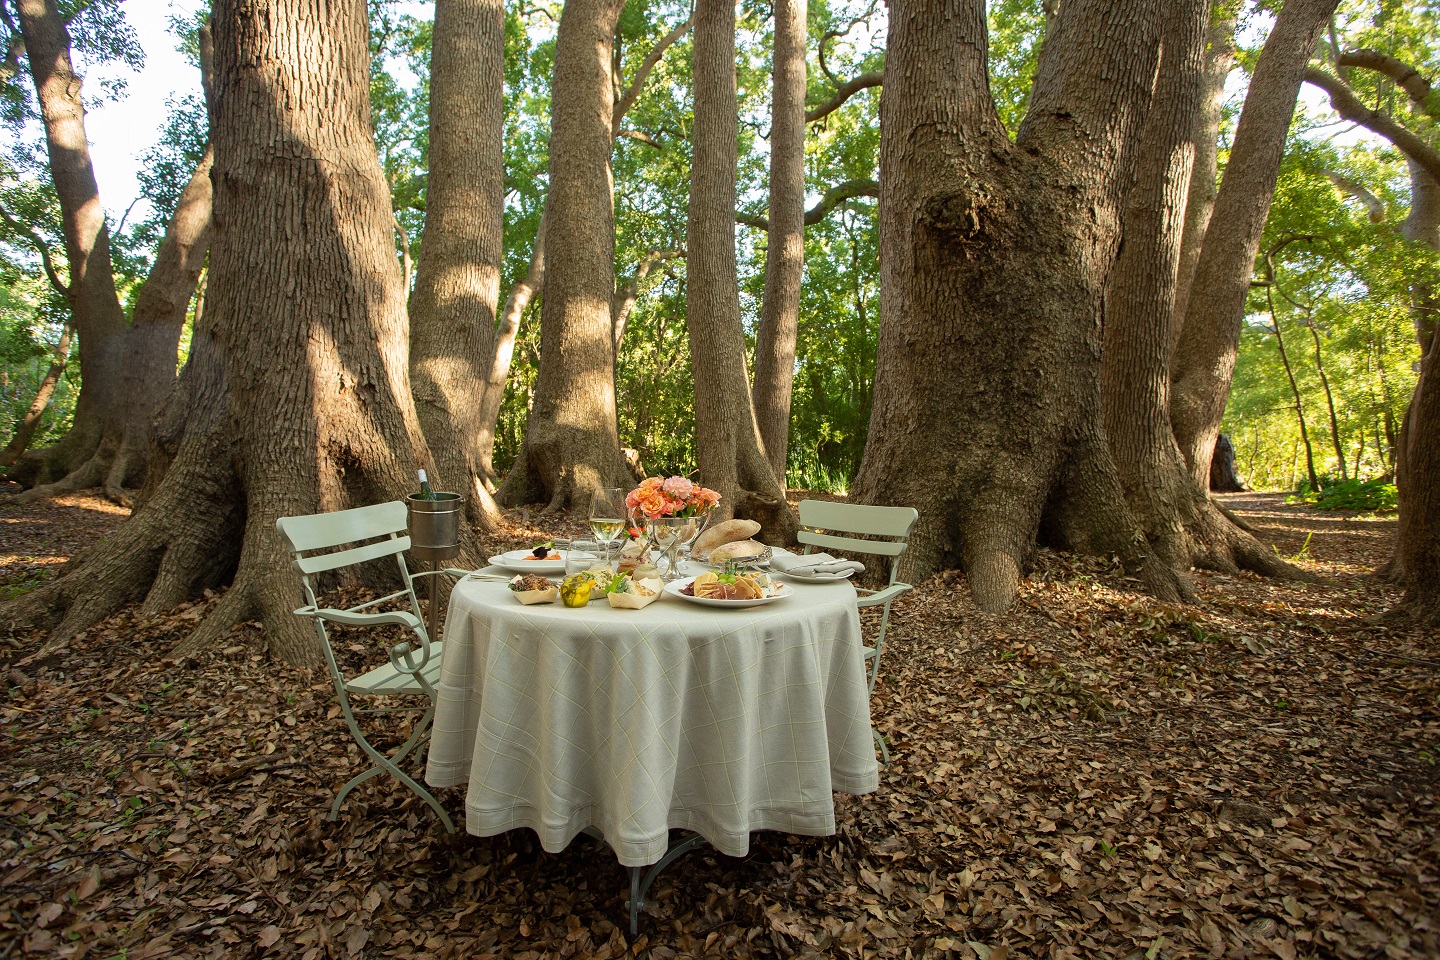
(435, 526)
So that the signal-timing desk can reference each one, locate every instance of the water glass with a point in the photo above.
(584, 554)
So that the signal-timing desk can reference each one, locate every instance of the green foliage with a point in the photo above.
(1377, 495)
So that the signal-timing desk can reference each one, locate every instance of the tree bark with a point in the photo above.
(1177, 518)
(572, 440)
(298, 395)
(1204, 362)
(30, 422)
(1419, 485)
(161, 309)
(727, 438)
(95, 309)
(506, 331)
(452, 311)
(1223, 476)
(1200, 202)
(987, 413)
(785, 248)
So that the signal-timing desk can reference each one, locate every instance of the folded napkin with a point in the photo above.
(814, 564)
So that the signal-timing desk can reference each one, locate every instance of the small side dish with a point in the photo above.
(732, 586)
(630, 594)
(530, 589)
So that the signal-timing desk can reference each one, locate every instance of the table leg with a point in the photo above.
(642, 877)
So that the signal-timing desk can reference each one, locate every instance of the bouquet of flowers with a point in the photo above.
(658, 497)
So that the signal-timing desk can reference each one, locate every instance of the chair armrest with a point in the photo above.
(447, 572)
(402, 654)
(348, 618)
(883, 596)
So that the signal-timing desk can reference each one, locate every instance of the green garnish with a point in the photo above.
(620, 584)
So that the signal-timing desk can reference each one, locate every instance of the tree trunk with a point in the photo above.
(727, 438)
(160, 313)
(1329, 399)
(993, 258)
(1204, 362)
(572, 440)
(31, 421)
(298, 397)
(1177, 518)
(1418, 554)
(1223, 476)
(452, 311)
(520, 294)
(785, 249)
(493, 393)
(1218, 59)
(1294, 392)
(95, 309)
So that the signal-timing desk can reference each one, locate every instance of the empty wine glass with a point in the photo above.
(607, 516)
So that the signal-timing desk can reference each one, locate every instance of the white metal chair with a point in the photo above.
(329, 541)
(839, 526)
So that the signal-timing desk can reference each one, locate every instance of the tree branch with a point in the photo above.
(846, 91)
(1348, 106)
(640, 136)
(1406, 77)
(1372, 203)
(40, 246)
(833, 198)
(642, 73)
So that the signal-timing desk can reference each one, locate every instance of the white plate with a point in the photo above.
(675, 586)
(816, 577)
(515, 560)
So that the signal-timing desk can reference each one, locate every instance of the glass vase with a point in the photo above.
(671, 535)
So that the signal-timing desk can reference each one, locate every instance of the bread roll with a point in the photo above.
(736, 548)
(727, 532)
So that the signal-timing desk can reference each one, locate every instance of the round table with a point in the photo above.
(632, 722)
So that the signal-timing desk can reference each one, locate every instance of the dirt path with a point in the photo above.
(1093, 774)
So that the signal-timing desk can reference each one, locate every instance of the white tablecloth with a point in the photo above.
(720, 721)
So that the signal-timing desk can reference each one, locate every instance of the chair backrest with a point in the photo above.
(890, 525)
(313, 539)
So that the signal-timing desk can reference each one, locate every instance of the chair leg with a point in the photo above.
(386, 764)
(879, 742)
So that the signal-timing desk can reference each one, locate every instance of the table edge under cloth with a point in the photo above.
(529, 777)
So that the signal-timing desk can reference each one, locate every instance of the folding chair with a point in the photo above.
(329, 541)
(829, 525)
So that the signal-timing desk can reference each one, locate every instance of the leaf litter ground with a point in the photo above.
(1093, 774)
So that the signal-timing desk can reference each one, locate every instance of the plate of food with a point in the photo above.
(543, 558)
(729, 589)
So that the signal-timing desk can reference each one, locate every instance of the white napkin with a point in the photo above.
(814, 564)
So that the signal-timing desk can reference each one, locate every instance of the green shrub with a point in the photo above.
(1377, 495)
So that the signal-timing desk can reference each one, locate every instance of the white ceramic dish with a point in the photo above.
(675, 586)
(515, 560)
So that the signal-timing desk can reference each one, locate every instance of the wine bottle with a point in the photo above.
(426, 491)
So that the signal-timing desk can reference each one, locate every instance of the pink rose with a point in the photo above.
(679, 488)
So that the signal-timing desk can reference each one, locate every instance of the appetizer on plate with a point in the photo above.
(530, 589)
(631, 594)
(732, 586)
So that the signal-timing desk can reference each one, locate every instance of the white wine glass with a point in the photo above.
(607, 516)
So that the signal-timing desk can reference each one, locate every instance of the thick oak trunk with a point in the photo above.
(452, 311)
(95, 309)
(297, 396)
(1204, 362)
(785, 249)
(1418, 553)
(727, 438)
(572, 440)
(1219, 58)
(987, 414)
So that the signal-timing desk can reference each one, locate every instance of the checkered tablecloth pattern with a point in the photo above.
(720, 721)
